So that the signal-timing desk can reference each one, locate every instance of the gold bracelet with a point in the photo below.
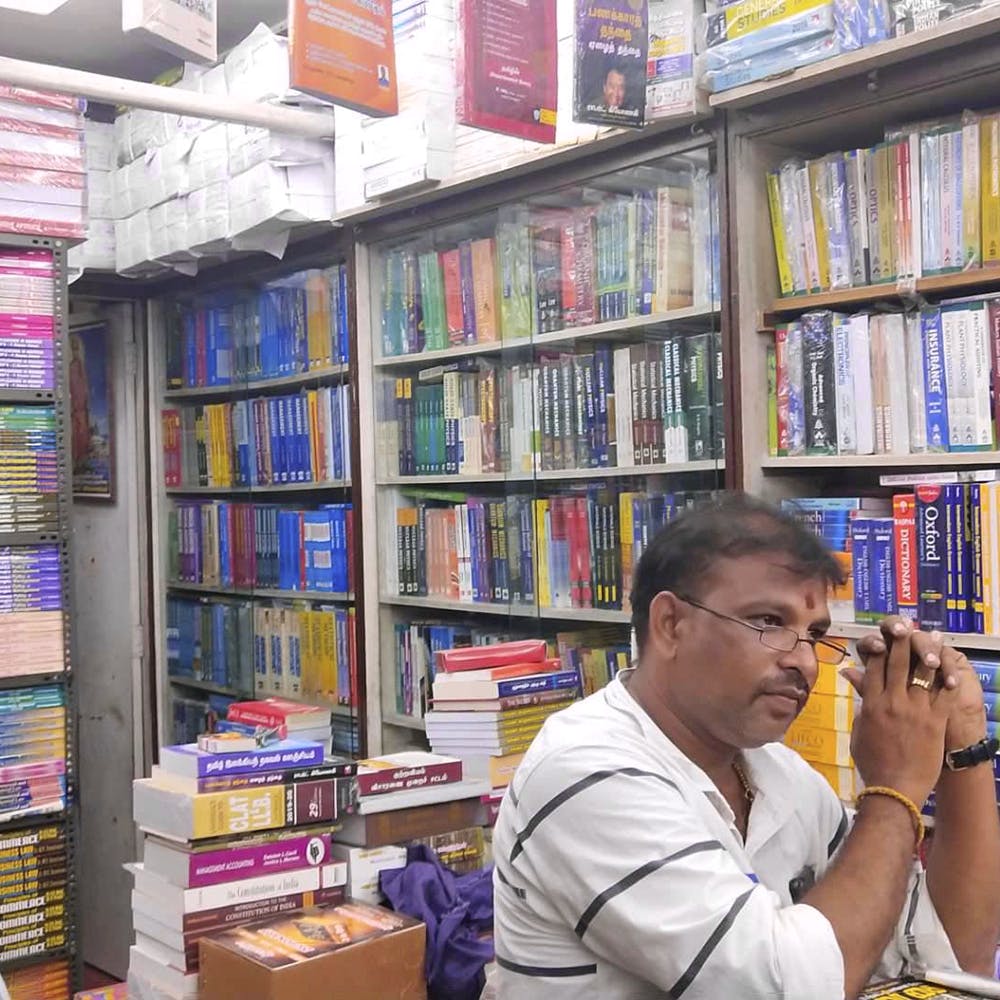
(891, 793)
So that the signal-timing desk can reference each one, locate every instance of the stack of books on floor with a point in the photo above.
(491, 701)
(408, 798)
(821, 734)
(235, 833)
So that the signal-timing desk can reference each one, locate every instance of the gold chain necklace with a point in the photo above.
(741, 774)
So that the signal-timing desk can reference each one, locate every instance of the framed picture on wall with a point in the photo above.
(91, 413)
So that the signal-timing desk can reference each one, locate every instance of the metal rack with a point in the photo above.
(67, 818)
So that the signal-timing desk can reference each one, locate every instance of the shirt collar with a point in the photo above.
(770, 809)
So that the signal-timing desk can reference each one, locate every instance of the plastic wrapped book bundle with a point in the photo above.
(908, 16)
(750, 40)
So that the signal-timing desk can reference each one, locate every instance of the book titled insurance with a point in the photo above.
(188, 761)
(410, 769)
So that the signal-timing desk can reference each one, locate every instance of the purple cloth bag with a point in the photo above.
(456, 910)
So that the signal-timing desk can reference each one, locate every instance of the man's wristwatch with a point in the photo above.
(978, 753)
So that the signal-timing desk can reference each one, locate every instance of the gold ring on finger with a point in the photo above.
(921, 682)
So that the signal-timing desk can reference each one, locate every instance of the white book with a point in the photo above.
(930, 198)
(981, 415)
(623, 406)
(857, 215)
(949, 351)
(864, 409)
(794, 235)
(171, 898)
(950, 251)
(971, 195)
(160, 952)
(898, 428)
(148, 977)
(847, 424)
(803, 189)
(463, 552)
(161, 933)
(915, 382)
(472, 788)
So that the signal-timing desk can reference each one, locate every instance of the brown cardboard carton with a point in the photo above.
(338, 953)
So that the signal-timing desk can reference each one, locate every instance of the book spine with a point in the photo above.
(905, 539)
(932, 565)
(958, 543)
(794, 364)
(989, 147)
(935, 388)
(846, 419)
(820, 395)
(974, 553)
(883, 587)
(861, 568)
(259, 860)
(382, 781)
(785, 280)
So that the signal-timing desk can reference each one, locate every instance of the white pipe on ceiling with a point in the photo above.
(132, 93)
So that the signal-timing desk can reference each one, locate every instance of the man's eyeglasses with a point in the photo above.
(781, 639)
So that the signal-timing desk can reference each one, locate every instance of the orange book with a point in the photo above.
(451, 268)
(484, 291)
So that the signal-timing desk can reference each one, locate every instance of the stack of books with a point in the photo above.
(40, 981)
(555, 270)
(271, 440)
(226, 544)
(574, 549)
(289, 720)
(34, 916)
(29, 469)
(896, 384)
(419, 797)
(822, 732)
(32, 751)
(491, 701)
(613, 406)
(43, 170)
(289, 327)
(915, 205)
(27, 327)
(231, 837)
(409, 798)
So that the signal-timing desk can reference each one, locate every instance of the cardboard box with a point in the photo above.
(382, 955)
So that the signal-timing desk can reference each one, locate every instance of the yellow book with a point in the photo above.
(225, 418)
(820, 746)
(991, 578)
(989, 175)
(821, 223)
(829, 681)
(305, 652)
(785, 280)
(330, 662)
(167, 810)
(626, 527)
(843, 780)
(484, 291)
(318, 321)
(319, 473)
(740, 19)
(828, 711)
(501, 769)
(542, 586)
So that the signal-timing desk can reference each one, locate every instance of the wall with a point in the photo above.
(109, 591)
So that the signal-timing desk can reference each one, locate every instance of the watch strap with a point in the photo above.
(978, 753)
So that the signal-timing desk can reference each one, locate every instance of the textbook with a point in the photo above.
(189, 762)
(927, 989)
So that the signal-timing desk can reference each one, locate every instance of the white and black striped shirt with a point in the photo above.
(620, 872)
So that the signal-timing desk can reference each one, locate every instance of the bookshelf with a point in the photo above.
(254, 437)
(521, 402)
(879, 94)
(38, 693)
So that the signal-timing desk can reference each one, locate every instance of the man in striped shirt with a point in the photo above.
(659, 841)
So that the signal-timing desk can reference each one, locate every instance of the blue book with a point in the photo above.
(188, 761)
(976, 556)
(988, 671)
(343, 334)
(882, 567)
(467, 290)
(958, 543)
(861, 567)
(563, 680)
(602, 378)
(932, 562)
(935, 386)
(343, 656)
(225, 545)
(318, 547)
(278, 474)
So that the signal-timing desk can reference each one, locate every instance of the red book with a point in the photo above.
(410, 769)
(350, 549)
(499, 654)
(273, 712)
(904, 516)
(548, 666)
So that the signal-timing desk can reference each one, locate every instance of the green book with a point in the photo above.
(698, 395)
(515, 279)
(772, 400)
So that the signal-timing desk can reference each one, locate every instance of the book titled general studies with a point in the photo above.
(609, 77)
(507, 67)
